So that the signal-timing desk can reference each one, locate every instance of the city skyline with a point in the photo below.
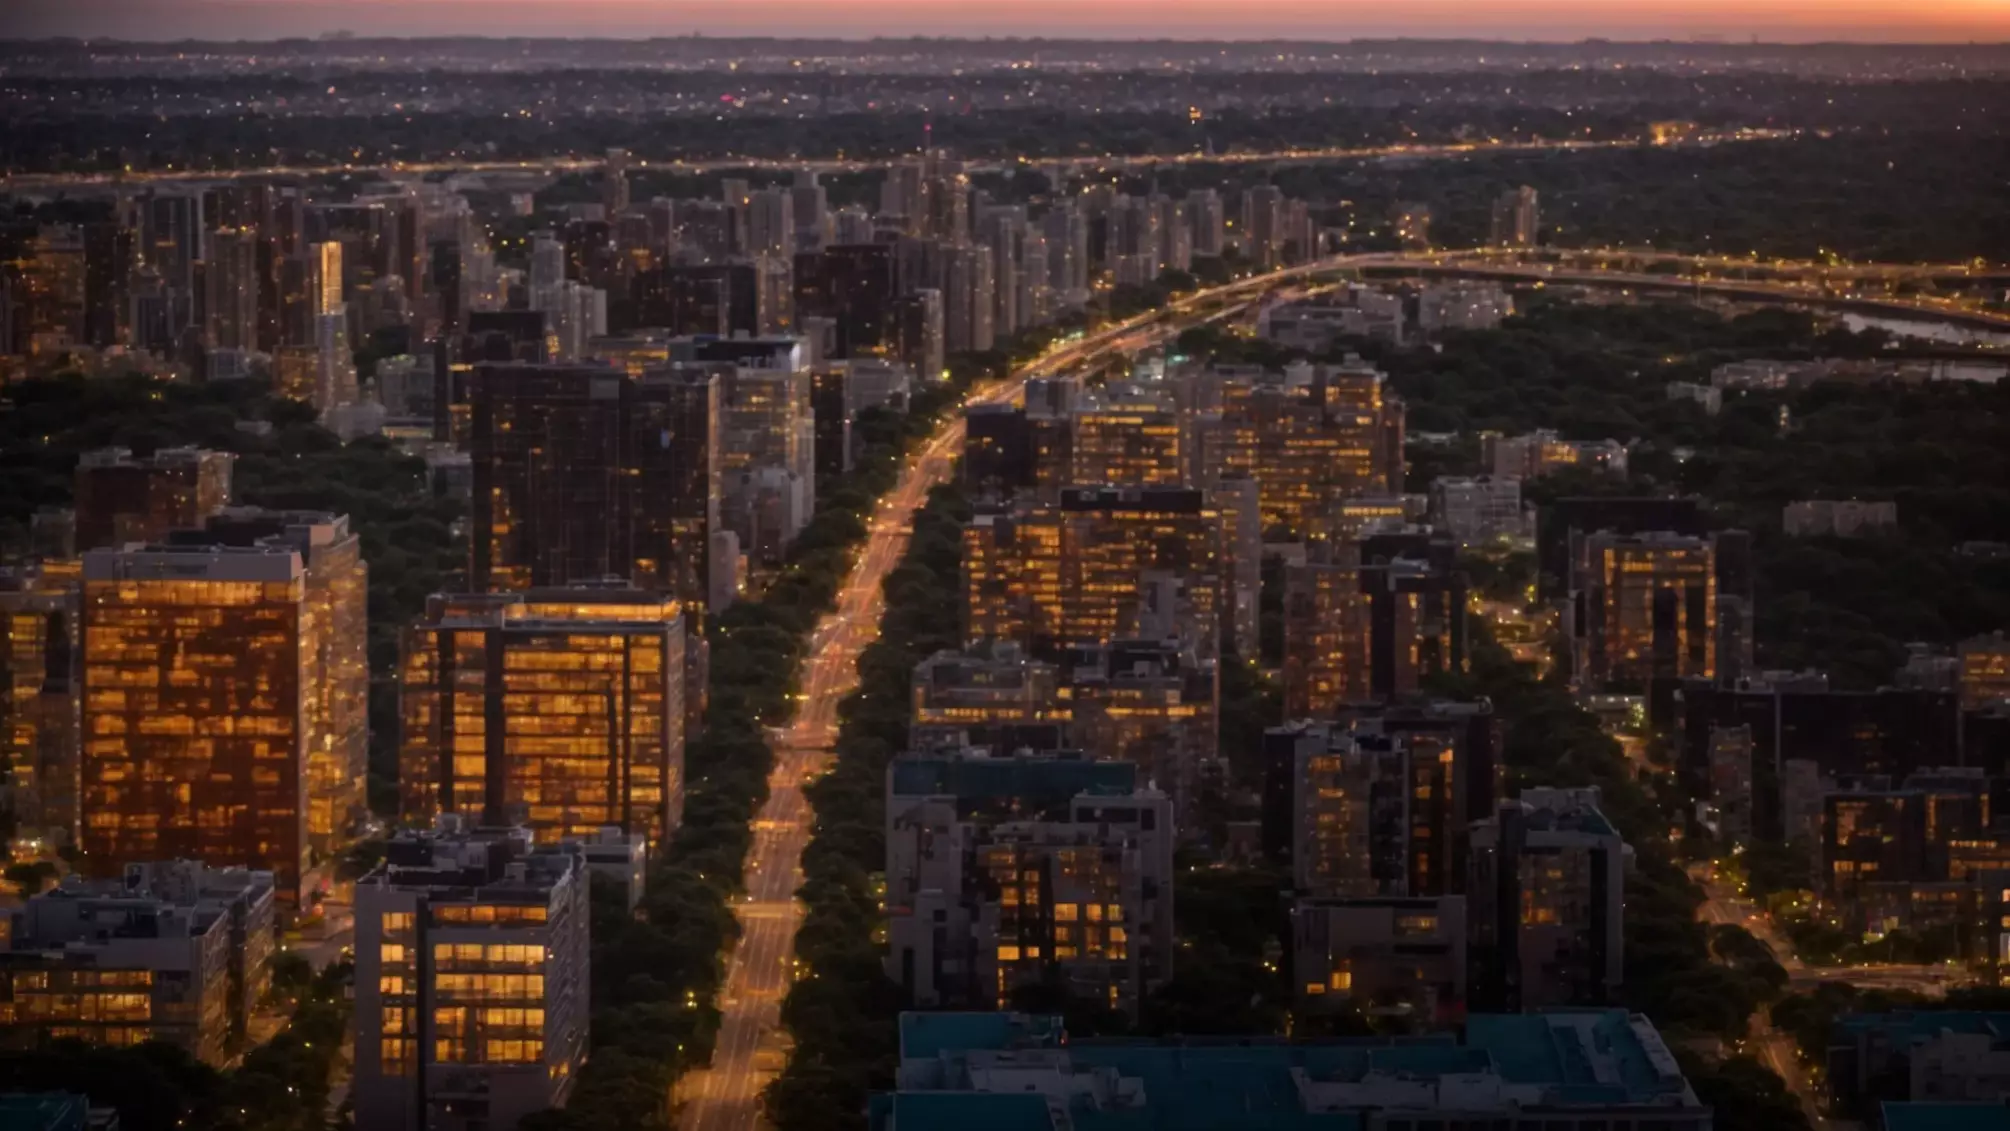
(1716, 21)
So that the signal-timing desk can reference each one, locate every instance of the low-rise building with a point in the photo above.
(1480, 509)
(1462, 305)
(1012, 1072)
(1543, 451)
(1837, 518)
(1387, 955)
(1952, 1056)
(171, 952)
(472, 969)
(1709, 396)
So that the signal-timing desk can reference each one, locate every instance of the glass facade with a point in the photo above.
(562, 710)
(195, 679)
(39, 706)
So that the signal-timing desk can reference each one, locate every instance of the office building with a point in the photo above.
(1014, 871)
(1074, 574)
(1538, 453)
(767, 438)
(853, 286)
(1153, 702)
(1545, 899)
(583, 473)
(1380, 803)
(1126, 436)
(39, 703)
(1580, 1068)
(224, 699)
(1481, 509)
(472, 969)
(230, 274)
(840, 391)
(1371, 622)
(918, 336)
(991, 694)
(1561, 525)
(121, 498)
(1382, 955)
(171, 952)
(1517, 219)
(560, 710)
(997, 450)
(1311, 437)
(1645, 609)
(1796, 718)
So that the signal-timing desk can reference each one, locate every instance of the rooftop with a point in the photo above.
(1015, 1072)
(1046, 778)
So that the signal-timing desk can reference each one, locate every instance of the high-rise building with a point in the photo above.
(614, 189)
(1517, 219)
(1208, 219)
(39, 704)
(120, 498)
(1075, 574)
(561, 710)
(583, 473)
(853, 285)
(1380, 803)
(1545, 896)
(1128, 436)
(1645, 608)
(918, 337)
(173, 952)
(224, 699)
(1368, 624)
(231, 278)
(1311, 437)
(1010, 872)
(472, 969)
(969, 299)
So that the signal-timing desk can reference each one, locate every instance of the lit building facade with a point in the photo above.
(560, 710)
(1311, 438)
(1128, 437)
(583, 473)
(472, 968)
(1008, 872)
(1540, 452)
(223, 700)
(1984, 671)
(1647, 608)
(169, 952)
(39, 704)
(1075, 575)
(1371, 625)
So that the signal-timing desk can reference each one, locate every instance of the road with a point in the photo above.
(24, 182)
(1722, 906)
(751, 1047)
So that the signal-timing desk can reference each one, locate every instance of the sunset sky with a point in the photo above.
(1773, 20)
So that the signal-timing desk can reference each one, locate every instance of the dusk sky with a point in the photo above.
(1771, 20)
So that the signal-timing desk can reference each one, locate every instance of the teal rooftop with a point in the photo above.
(1013, 1072)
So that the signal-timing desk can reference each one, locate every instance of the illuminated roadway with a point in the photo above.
(557, 165)
(751, 1047)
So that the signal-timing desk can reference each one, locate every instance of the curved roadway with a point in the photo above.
(751, 1047)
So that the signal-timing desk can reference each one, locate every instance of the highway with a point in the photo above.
(752, 1046)
(554, 166)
